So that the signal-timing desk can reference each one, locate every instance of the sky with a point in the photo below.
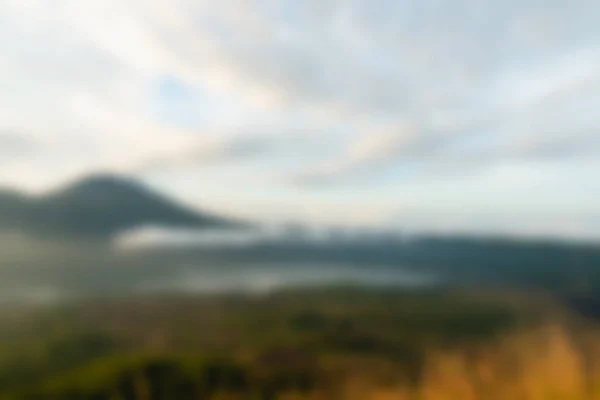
(453, 115)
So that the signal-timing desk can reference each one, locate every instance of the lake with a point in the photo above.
(268, 277)
(258, 278)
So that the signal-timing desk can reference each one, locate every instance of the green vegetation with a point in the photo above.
(344, 343)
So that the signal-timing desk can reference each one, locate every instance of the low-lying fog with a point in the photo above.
(162, 260)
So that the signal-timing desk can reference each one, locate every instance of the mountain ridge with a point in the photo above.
(98, 206)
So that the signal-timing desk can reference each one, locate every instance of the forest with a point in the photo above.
(335, 343)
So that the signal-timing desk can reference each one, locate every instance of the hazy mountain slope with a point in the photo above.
(98, 206)
(14, 208)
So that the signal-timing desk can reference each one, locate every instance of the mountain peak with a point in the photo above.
(100, 182)
(105, 180)
(104, 205)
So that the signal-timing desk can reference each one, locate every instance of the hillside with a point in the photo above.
(97, 207)
(14, 208)
(337, 343)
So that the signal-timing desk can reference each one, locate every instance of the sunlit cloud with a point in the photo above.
(314, 97)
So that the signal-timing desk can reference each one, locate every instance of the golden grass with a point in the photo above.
(541, 364)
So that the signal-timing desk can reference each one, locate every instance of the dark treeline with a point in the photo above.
(559, 267)
(459, 260)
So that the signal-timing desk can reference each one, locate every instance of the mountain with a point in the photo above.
(14, 208)
(98, 207)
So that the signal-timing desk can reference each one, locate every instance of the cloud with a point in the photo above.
(353, 58)
(214, 151)
(570, 225)
(544, 113)
(366, 151)
(238, 146)
(13, 142)
(14, 146)
(383, 92)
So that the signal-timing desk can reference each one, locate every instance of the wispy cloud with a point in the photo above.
(545, 112)
(327, 91)
(14, 145)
